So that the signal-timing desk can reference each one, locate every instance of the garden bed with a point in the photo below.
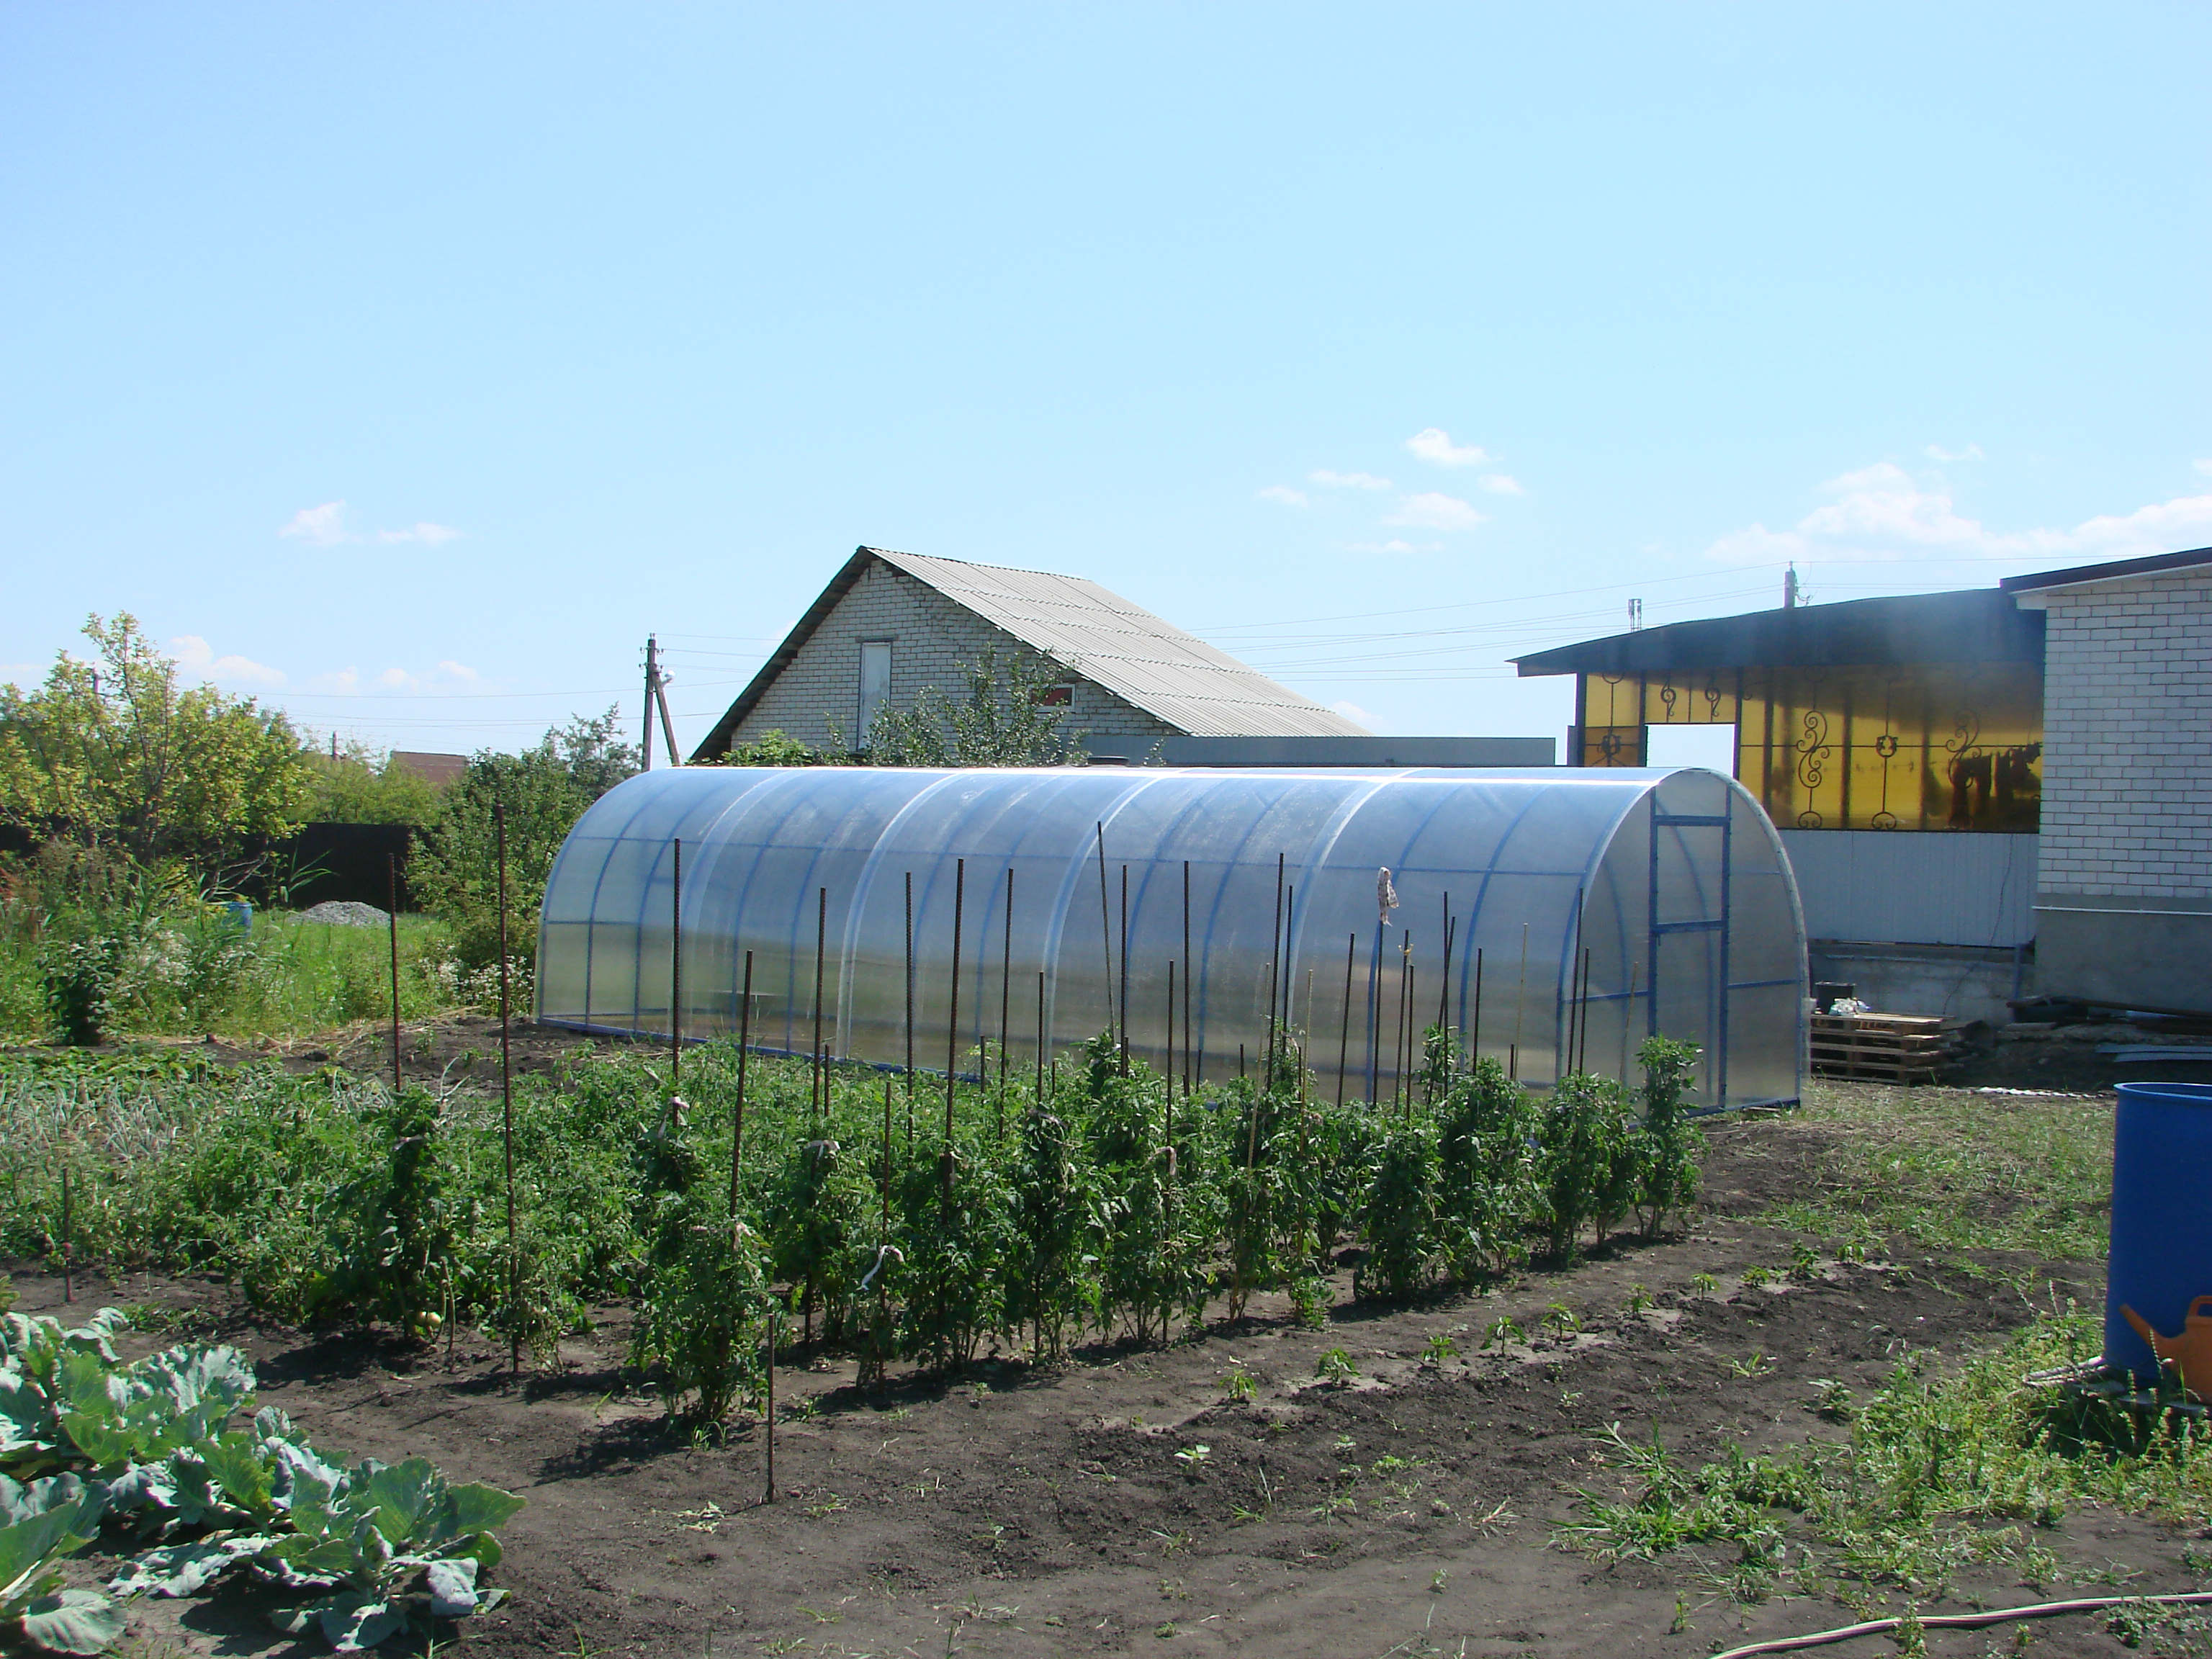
(1410, 1507)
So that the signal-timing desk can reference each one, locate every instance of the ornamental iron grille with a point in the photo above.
(1923, 746)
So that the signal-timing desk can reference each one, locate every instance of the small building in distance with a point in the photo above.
(437, 770)
(890, 625)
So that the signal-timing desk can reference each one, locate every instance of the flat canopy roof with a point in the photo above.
(2113, 570)
(1976, 625)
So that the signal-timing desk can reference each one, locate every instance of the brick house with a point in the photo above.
(2123, 887)
(891, 624)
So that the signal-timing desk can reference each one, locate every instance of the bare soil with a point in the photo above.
(1016, 1511)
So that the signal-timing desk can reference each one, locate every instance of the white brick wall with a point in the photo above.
(931, 639)
(2127, 763)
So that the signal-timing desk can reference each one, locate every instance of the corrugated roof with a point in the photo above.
(1140, 658)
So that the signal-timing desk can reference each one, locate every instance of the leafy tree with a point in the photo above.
(116, 752)
(454, 869)
(772, 749)
(1007, 719)
(358, 785)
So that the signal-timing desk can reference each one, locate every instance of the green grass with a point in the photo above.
(1940, 1472)
(286, 978)
(1952, 1171)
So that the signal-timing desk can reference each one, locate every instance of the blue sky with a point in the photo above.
(408, 365)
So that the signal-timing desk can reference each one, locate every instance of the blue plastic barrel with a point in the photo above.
(2161, 1255)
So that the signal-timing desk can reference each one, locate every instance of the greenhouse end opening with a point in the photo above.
(1549, 919)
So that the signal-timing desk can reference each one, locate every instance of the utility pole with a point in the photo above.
(656, 696)
(1635, 615)
(1791, 593)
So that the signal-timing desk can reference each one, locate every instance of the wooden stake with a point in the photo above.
(820, 951)
(1474, 1020)
(506, 1115)
(1275, 978)
(883, 1278)
(1582, 1055)
(1123, 1000)
(1628, 1018)
(1006, 1000)
(1344, 1021)
(1167, 1139)
(1519, 1002)
(774, 1318)
(1168, 1064)
(952, 1026)
(1443, 980)
(1041, 1043)
(909, 1010)
(738, 1112)
(69, 1233)
(1106, 929)
(676, 967)
(1405, 1023)
(392, 889)
(1574, 990)
(1189, 973)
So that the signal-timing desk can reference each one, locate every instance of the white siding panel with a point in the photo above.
(1915, 887)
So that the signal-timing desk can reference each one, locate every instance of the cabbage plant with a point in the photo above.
(40, 1525)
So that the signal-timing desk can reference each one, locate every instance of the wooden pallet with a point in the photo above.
(1881, 1048)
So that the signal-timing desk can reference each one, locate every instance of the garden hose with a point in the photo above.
(1963, 1620)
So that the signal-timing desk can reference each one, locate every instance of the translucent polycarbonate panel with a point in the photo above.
(939, 912)
(1693, 930)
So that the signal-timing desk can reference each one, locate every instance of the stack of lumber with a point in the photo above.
(1885, 1048)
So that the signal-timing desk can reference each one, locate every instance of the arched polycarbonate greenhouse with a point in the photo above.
(1553, 918)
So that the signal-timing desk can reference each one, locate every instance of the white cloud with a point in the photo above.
(1394, 545)
(1881, 512)
(2204, 467)
(326, 526)
(195, 656)
(320, 527)
(1434, 445)
(1352, 711)
(1937, 452)
(1329, 480)
(1501, 483)
(1285, 494)
(1757, 544)
(1430, 510)
(446, 675)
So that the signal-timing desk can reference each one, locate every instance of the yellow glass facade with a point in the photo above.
(1928, 746)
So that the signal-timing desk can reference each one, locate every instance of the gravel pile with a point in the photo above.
(344, 912)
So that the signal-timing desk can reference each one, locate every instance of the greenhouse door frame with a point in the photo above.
(1716, 1012)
